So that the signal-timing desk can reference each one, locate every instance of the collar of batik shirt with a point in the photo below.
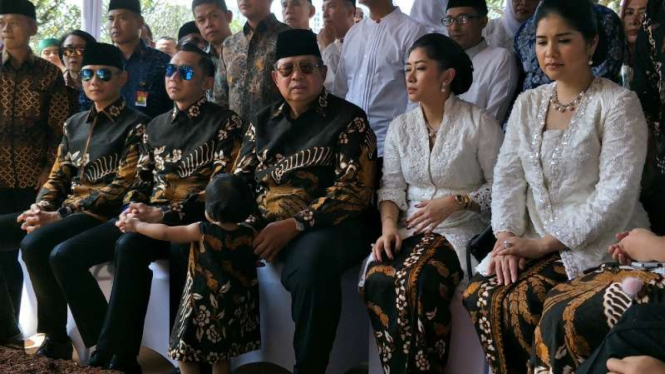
(268, 24)
(319, 105)
(193, 111)
(112, 112)
(29, 61)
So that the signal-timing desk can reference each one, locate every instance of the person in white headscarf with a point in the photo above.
(430, 13)
(500, 32)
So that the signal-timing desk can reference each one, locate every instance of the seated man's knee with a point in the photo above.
(31, 246)
(311, 266)
(62, 256)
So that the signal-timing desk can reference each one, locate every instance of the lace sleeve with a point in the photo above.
(509, 186)
(489, 143)
(393, 185)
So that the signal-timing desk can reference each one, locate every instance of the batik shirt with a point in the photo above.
(145, 89)
(96, 161)
(247, 60)
(181, 151)
(612, 29)
(319, 168)
(34, 105)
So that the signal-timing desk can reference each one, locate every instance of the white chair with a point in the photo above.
(156, 328)
(277, 328)
(466, 354)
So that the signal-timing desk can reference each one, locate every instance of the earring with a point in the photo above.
(444, 87)
(590, 61)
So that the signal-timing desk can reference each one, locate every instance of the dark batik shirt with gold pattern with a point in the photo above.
(243, 82)
(34, 105)
(181, 151)
(319, 168)
(97, 159)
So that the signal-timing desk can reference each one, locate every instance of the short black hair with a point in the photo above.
(579, 15)
(228, 199)
(205, 62)
(221, 4)
(89, 39)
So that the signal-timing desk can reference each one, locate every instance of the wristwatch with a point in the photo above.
(64, 211)
(463, 200)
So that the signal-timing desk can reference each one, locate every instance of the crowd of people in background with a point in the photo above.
(518, 162)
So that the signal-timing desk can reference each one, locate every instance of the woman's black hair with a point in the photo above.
(449, 55)
(229, 199)
(89, 39)
(581, 16)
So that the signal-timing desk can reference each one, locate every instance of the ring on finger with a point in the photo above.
(506, 244)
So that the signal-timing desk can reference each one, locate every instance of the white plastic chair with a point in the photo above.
(466, 354)
(277, 328)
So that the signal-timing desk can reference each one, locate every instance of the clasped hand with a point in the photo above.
(35, 218)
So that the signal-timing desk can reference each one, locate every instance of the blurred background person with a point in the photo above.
(500, 32)
(72, 46)
(632, 15)
(167, 45)
(359, 16)
(190, 34)
(48, 50)
(296, 13)
(338, 18)
(146, 35)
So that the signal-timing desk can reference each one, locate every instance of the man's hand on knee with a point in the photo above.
(274, 237)
(142, 212)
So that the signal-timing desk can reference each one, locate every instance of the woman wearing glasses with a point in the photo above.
(71, 50)
(434, 197)
(567, 179)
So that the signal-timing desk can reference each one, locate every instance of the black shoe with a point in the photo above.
(56, 350)
(15, 342)
(99, 359)
(127, 366)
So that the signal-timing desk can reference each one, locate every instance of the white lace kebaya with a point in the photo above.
(580, 185)
(461, 162)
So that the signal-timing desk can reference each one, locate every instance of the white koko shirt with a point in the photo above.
(495, 78)
(370, 72)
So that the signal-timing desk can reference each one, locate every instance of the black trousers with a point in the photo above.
(640, 332)
(313, 265)
(11, 274)
(39, 250)
(116, 327)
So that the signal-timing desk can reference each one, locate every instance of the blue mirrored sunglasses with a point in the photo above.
(186, 72)
(103, 74)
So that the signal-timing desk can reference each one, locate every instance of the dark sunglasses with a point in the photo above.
(103, 74)
(70, 51)
(306, 67)
(186, 72)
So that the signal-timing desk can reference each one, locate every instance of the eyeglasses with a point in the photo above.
(103, 74)
(306, 67)
(70, 51)
(462, 19)
(186, 72)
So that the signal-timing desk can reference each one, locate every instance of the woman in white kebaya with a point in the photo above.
(567, 180)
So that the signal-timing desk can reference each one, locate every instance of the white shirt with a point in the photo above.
(370, 72)
(430, 13)
(580, 185)
(496, 35)
(495, 78)
(330, 56)
(460, 162)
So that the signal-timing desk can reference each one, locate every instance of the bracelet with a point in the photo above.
(464, 201)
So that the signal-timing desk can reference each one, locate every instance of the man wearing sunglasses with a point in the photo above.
(95, 166)
(313, 156)
(181, 151)
(34, 105)
(145, 65)
(495, 74)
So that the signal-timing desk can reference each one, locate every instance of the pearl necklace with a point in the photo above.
(431, 132)
(556, 104)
